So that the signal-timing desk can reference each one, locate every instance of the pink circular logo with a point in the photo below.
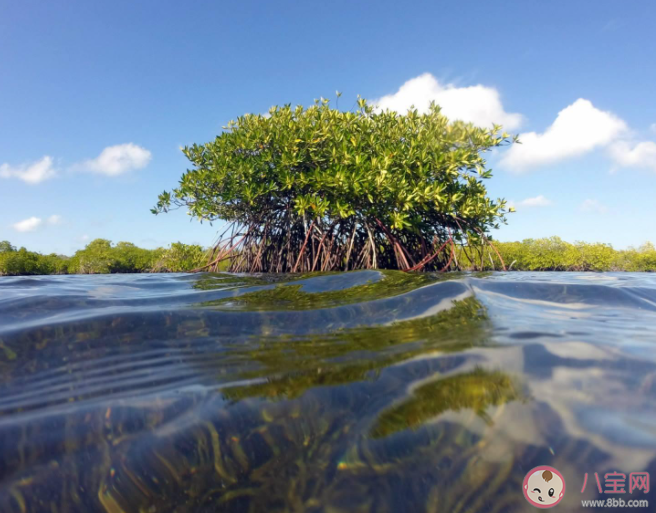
(544, 487)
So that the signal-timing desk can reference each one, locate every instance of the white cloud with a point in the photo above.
(652, 127)
(33, 173)
(593, 206)
(32, 223)
(119, 159)
(84, 237)
(641, 155)
(28, 225)
(477, 104)
(578, 129)
(537, 201)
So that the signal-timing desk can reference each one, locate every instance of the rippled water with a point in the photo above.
(362, 391)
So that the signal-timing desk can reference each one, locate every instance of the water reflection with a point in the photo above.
(335, 392)
(291, 365)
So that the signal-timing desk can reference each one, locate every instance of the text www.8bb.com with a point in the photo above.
(615, 503)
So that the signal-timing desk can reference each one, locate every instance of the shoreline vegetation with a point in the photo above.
(547, 254)
(100, 256)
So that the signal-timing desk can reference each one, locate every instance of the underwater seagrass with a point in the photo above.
(270, 429)
(476, 390)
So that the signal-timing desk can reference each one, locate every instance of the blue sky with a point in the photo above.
(96, 99)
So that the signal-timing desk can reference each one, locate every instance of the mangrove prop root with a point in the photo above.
(289, 243)
(429, 258)
(309, 232)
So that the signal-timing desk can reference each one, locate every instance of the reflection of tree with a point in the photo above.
(289, 295)
(476, 390)
(218, 281)
(291, 366)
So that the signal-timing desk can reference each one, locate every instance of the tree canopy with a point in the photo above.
(6, 247)
(322, 189)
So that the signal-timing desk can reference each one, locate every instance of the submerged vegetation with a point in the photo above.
(347, 391)
(548, 254)
(292, 293)
(477, 390)
(291, 370)
(320, 189)
(313, 408)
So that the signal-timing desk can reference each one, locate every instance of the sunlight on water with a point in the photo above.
(362, 391)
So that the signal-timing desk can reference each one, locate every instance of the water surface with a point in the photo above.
(361, 391)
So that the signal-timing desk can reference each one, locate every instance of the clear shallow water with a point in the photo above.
(361, 391)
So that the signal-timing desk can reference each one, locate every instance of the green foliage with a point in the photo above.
(128, 258)
(55, 264)
(22, 262)
(180, 257)
(101, 257)
(95, 258)
(640, 259)
(548, 254)
(6, 247)
(554, 254)
(386, 185)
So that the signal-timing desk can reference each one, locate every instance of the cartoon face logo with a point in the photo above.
(544, 487)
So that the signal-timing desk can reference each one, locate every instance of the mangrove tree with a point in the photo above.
(316, 189)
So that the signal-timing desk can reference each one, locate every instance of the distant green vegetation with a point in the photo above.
(548, 254)
(101, 257)
(554, 254)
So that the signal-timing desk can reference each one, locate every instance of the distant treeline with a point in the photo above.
(554, 254)
(101, 257)
(549, 254)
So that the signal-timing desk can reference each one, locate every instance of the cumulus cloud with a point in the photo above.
(32, 223)
(28, 225)
(640, 155)
(477, 104)
(537, 201)
(112, 161)
(119, 159)
(578, 129)
(593, 206)
(32, 173)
